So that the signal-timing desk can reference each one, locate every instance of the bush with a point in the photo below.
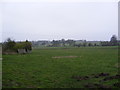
(11, 45)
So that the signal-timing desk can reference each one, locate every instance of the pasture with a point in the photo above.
(62, 68)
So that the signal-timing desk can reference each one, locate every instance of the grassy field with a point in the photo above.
(61, 68)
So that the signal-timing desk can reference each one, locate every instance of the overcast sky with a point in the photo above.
(57, 20)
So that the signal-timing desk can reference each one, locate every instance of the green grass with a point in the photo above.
(40, 70)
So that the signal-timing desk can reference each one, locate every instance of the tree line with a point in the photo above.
(11, 45)
(113, 42)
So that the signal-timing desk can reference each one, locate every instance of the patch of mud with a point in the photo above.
(106, 77)
(100, 75)
(91, 85)
(78, 78)
(64, 56)
(116, 85)
(111, 78)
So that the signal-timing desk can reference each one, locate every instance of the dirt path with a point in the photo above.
(65, 57)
